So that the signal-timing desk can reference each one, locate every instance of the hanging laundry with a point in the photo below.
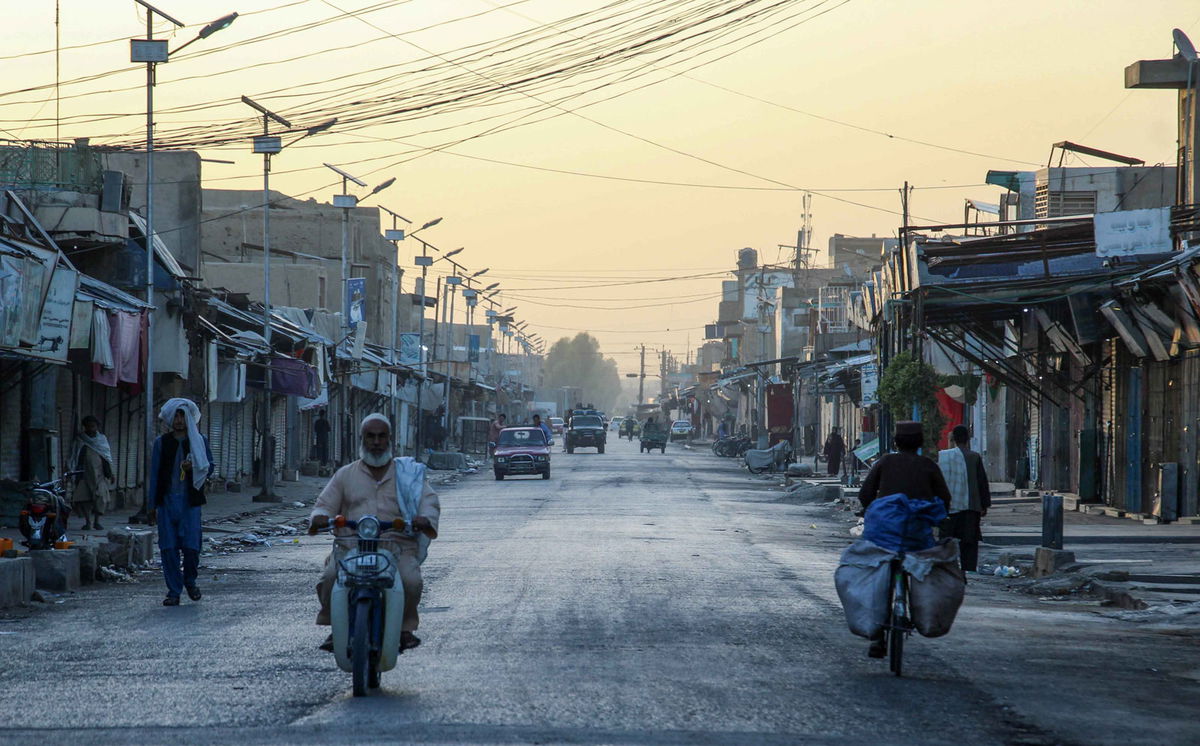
(231, 382)
(127, 346)
(104, 336)
(81, 324)
(293, 377)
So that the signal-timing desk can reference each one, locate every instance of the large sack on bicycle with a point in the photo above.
(936, 587)
(862, 585)
(896, 522)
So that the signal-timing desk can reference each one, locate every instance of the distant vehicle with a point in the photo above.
(616, 423)
(681, 430)
(556, 425)
(653, 435)
(521, 450)
(586, 431)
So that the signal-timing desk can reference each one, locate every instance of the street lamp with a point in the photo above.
(424, 261)
(395, 234)
(270, 145)
(153, 51)
(347, 202)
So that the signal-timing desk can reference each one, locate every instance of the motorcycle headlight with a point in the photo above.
(368, 527)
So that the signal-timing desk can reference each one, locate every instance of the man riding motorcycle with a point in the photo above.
(368, 487)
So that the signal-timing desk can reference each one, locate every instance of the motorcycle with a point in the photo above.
(366, 605)
(44, 519)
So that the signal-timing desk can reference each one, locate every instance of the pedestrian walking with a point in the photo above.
(92, 455)
(970, 496)
(834, 449)
(321, 430)
(181, 465)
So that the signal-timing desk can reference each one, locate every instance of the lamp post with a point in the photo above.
(348, 202)
(153, 51)
(424, 261)
(395, 234)
(269, 145)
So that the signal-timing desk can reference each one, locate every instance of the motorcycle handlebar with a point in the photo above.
(342, 521)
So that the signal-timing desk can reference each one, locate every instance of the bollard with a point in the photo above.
(1052, 521)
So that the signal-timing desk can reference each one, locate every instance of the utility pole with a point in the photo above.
(662, 377)
(642, 378)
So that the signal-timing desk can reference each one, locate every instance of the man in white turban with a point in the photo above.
(387, 488)
(182, 464)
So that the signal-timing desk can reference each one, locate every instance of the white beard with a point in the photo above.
(376, 461)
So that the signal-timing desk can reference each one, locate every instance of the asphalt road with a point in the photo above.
(632, 598)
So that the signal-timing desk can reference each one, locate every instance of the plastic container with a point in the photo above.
(5, 545)
(63, 544)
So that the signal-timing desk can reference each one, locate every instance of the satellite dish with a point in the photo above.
(1186, 49)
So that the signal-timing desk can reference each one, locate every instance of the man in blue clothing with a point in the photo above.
(537, 422)
(182, 464)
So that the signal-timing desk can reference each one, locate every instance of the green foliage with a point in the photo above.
(577, 362)
(909, 382)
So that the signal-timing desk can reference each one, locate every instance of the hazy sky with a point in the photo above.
(1001, 80)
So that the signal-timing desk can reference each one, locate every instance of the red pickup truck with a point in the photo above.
(521, 450)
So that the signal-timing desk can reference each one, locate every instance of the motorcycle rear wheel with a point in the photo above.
(361, 648)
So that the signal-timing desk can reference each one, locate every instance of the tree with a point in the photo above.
(576, 362)
(907, 383)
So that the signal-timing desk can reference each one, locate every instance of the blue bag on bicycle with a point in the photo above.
(899, 524)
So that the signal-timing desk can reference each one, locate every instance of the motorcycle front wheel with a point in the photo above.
(361, 648)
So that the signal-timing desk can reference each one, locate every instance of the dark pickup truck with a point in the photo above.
(586, 431)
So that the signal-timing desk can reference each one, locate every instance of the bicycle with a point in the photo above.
(899, 624)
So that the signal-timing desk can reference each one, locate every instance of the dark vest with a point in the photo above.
(166, 462)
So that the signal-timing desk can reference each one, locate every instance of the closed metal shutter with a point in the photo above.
(216, 441)
(279, 428)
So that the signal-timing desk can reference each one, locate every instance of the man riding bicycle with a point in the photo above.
(904, 472)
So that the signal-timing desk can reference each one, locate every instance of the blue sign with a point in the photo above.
(356, 301)
(473, 348)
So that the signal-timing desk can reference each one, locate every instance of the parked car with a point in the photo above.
(556, 425)
(521, 450)
(586, 431)
(681, 430)
(615, 425)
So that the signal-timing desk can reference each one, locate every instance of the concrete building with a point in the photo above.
(861, 254)
(306, 248)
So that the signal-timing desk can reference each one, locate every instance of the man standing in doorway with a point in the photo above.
(835, 448)
(92, 455)
(970, 496)
(321, 430)
(182, 464)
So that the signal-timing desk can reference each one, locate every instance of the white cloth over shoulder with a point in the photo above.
(191, 413)
(99, 444)
(954, 468)
(410, 485)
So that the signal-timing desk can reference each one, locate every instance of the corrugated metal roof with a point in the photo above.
(161, 253)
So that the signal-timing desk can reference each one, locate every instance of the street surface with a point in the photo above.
(633, 598)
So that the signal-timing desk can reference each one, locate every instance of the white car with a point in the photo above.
(681, 430)
(615, 425)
